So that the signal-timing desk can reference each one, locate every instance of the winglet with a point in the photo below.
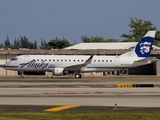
(89, 60)
(79, 66)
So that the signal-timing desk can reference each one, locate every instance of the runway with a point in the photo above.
(99, 94)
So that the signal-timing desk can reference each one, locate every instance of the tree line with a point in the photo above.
(21, 42)
(138, 29)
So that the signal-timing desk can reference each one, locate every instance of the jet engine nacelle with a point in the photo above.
(59, 71)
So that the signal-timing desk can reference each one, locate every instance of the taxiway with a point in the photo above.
(86, 92)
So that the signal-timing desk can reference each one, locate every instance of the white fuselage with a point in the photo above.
(48, 62)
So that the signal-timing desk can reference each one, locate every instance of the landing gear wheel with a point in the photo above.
(21, 76)
(78, 76)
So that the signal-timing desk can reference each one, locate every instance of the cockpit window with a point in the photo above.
(14, 59)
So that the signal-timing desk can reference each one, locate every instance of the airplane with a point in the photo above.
(76, 64)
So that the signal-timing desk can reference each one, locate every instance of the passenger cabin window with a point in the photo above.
(37, 59)
(110, 60)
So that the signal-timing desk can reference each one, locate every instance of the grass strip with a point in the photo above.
(81, 116)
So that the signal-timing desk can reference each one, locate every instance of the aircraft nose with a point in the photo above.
(5, 65)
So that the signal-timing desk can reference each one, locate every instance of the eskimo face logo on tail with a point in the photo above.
(145, 47)
(34, 65)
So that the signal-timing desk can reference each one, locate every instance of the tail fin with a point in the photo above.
(143, 47)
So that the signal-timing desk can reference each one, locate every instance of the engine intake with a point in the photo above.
(59, 71)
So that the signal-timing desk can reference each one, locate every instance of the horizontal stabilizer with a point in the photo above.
(150, 59)
(144, 61)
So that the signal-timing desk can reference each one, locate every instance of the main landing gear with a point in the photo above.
(78, 75)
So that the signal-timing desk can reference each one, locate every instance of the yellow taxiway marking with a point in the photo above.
(59, 108)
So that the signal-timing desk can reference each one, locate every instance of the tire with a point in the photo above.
(78, 76)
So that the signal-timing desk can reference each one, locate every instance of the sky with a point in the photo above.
(48, 19)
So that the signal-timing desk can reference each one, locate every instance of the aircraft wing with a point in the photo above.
(79, 66)
(144, 61)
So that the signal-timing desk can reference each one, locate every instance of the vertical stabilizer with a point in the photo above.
(143, 47)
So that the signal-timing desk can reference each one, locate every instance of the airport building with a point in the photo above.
(106, 46)
(116, 48)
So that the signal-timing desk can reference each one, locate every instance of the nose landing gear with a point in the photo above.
(21, 74)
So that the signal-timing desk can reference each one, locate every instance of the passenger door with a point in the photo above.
(117, 61)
